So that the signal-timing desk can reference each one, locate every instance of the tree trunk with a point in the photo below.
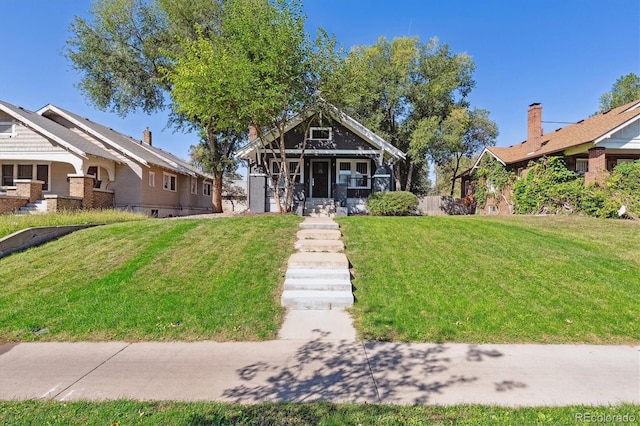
(409, 177)
(396, 175)
(455, 173)
(217, 192)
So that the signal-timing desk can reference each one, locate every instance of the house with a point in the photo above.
(591, 147)
(58, 160)
(343, 162)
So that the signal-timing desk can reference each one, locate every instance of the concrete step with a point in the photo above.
(318, 261)
(319, 300)
(325, 274)
(319, 234)
(319, 223)
(320, 246)
(318, 284)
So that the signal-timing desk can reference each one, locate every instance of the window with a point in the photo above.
(25, 171)
(354, 173)
(7, 175)
(194, 185)
(206, 189)
(7, 130)
(320, 133)
(292, 164)
(152, 179)
(582, 165)
(169, 182)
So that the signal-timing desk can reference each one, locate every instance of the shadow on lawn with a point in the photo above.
(349, 371)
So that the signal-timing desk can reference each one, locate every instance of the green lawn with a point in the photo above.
(10, 223)
(187, 279)
(496, 280)
(211, 413)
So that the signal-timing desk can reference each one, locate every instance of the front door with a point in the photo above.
(319, 179)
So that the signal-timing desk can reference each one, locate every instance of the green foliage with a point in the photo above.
(549, 187)
(392, 203)
(404, 90)
(623, 189)
(491, 178)
(626, 89)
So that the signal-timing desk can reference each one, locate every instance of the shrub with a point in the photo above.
(552, 188)
(623, 189)
(392, 203)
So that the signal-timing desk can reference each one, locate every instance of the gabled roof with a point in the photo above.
(337, 115)
(125, 145)
(589, 130)
(57, 133)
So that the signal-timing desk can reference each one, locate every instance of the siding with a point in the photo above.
(26, 141)
(343, 138)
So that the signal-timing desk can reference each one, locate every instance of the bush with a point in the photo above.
(392, 203)
(623, 189)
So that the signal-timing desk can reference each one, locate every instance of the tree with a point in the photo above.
(461, 135)
(400, 89)
(626, 89)
(261, 70)
(127, 54)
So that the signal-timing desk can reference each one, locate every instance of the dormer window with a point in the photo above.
(320, 133)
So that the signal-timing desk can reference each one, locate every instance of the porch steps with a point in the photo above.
(38, 207)
(319, 207)
(318, 276)
(319, 223)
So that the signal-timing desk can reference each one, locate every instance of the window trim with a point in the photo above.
(164, 182)
(13, 132)
(152, 179)
(194, 186)
(276, 175)
(320, 129)
(353, 171)
(582, 161)
(206, 185)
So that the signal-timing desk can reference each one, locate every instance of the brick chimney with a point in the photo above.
(146, 136)
(534, 126)
(253, 133)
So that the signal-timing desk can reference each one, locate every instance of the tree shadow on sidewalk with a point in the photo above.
(349, 371)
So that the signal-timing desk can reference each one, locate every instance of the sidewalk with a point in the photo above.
(326, 363)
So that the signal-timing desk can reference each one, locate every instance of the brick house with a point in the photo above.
(53, 159)
(591, 147)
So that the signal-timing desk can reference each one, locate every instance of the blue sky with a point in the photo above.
(562, 53)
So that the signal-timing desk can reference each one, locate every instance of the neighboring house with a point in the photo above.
(65, 161)
(591, 147)
(343, 163)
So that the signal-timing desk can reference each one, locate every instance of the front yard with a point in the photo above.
(185, 279)
(495, 280)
